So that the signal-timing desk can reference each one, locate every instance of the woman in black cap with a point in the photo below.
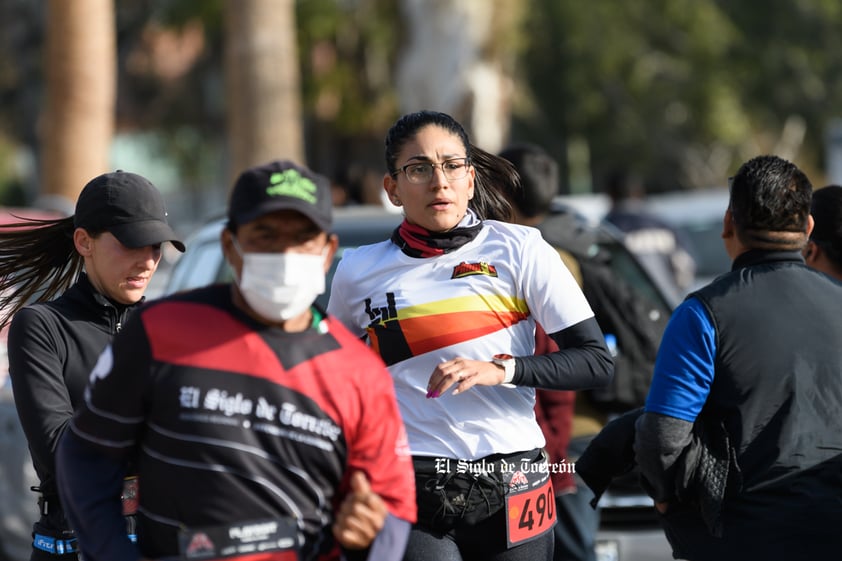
(99, 263)
(824, 249)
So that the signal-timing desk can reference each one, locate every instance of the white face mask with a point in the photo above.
(280, 286)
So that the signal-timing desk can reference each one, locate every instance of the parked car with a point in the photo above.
(203, 264)
(698, 215)
(629, 530)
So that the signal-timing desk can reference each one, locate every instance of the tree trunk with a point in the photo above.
(77, 124)
(262, 80)
(457, 60)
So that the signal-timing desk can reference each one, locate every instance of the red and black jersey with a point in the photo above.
(228, 420)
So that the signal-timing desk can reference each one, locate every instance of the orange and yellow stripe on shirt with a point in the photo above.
(434, 325)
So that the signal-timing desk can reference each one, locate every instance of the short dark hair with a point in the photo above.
(622, 184)
(538, 178)
(770, 203)
(826, 208)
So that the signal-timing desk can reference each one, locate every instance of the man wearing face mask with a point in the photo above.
(261, 428)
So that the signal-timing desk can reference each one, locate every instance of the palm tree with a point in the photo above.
(263, 83)
(459, 59)
(77, 123)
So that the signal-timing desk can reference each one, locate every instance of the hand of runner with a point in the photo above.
(464, 374)
(662, 507)
(361, 515)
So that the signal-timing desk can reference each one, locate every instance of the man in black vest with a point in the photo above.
(740, 444)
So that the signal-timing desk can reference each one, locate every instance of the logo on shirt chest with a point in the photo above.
(464, 269)
(380, 314)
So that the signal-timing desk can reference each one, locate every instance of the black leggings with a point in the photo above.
(485, 541)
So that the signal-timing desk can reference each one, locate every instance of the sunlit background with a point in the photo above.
(188, 93)
(680, 91)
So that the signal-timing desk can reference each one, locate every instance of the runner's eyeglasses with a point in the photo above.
(422, 172)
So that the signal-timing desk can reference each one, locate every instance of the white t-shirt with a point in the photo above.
(477, 301)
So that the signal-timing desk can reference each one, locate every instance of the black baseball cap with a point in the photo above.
(281, 185)
(128, 206)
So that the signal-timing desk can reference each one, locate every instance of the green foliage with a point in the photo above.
(11, 189)
(631, 78)
(177, 13)
(680, 91)
(348, 51)
(683, 90)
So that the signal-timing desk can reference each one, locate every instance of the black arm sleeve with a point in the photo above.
(92, 504)
(582, 362)
(36, 366)
(660, 441)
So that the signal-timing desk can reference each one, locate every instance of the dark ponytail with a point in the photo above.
(496, 182)
(38, 261)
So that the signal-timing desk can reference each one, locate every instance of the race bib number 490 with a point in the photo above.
(531, 507)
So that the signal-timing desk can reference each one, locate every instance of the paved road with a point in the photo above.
(18, 509)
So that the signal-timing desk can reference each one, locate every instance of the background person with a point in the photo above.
(660, 248)
(824, 248)
(626, 316)
(252, 414)
(108, 250)
(578, 522)
(746, 387)
(451, 303)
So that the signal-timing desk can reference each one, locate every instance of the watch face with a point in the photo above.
(503, 357)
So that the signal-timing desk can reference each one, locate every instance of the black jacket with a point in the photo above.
(53, 346)
(777, 394)
(701, 474)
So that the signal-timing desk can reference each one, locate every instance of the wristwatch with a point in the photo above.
(508, 364)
